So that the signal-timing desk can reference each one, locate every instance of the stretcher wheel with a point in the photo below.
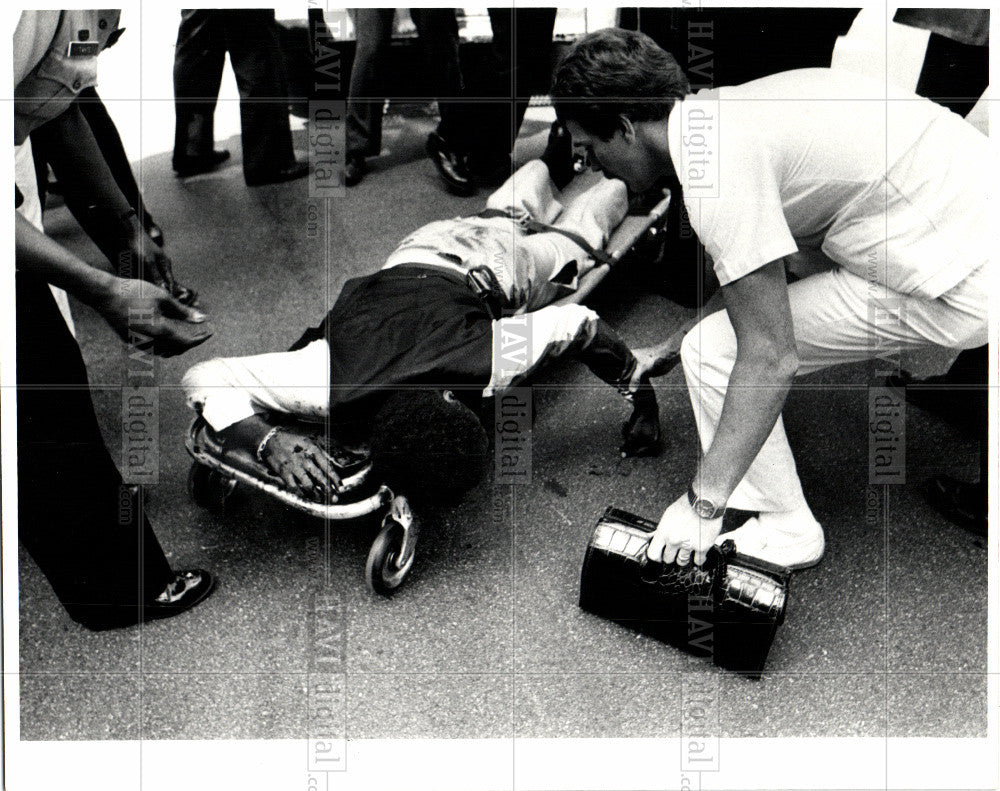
(382, 573)
(209, 488)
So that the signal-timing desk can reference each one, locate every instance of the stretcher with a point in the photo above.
(623, 239)
(216, 470)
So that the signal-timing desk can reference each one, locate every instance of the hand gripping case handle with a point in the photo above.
(727, 610)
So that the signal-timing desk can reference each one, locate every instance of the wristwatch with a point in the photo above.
(706, 509)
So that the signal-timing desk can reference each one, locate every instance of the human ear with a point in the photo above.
(626, 127)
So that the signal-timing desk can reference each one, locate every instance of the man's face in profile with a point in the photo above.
(624, 155)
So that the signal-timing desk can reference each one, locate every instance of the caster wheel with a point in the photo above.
(382, 573)
(209, 488)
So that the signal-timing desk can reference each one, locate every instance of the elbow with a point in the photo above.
(787, 365)
(772, 366)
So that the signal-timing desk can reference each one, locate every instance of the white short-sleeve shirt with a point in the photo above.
(889, 185)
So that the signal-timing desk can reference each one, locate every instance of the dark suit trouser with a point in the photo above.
(437, 30)
(249, 37)
(85, 530)
(520, 67)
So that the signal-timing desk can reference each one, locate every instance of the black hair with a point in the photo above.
(615, 72)
(428, 445)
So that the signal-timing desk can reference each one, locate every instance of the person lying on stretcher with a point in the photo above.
(411, 352)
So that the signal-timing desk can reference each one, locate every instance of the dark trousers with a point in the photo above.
(520, 66)
(437, 29)
(85, 530)
(250, 38)
(110, 143)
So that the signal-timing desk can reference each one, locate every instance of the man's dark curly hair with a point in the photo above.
(615, 72)
(427, 446)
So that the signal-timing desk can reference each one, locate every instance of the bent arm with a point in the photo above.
(137, 312)
(38, 255)
(766, 362)
(91, 192)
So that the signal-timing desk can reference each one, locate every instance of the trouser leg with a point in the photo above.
(198, 60)
(438, 31)
(532, 52)
(482, 128)
(838, 318)
(255, 55)
(596, 212)
(593, 214)
(227, 390)
(373, 29)
(519, 66)
(530, 189)
(85, 530)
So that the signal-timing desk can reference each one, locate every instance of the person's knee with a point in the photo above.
(200, 379)
(572, 326)
(971, 330)
(691, 348)
(709, 345)
(615, 193)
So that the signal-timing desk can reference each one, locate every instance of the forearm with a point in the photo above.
(754, 399)
(89, 188)
(38, 255)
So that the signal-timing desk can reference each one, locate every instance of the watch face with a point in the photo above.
(704, 508)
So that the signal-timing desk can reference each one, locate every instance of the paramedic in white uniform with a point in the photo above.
(887, 190)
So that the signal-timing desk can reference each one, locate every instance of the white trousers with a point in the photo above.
(227, 390)
(838, 317)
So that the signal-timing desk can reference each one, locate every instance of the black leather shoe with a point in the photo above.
(288, 173)
(354, 170)
(558, 155)
(453, 167)
(205, 163)
(156, 234)
(186, 296)
(187, 589)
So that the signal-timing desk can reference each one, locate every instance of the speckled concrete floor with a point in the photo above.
(885, 638)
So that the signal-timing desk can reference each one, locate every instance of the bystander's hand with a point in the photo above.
(143, 313)
(146, 261)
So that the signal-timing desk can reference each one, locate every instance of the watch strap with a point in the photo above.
(693, 499)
